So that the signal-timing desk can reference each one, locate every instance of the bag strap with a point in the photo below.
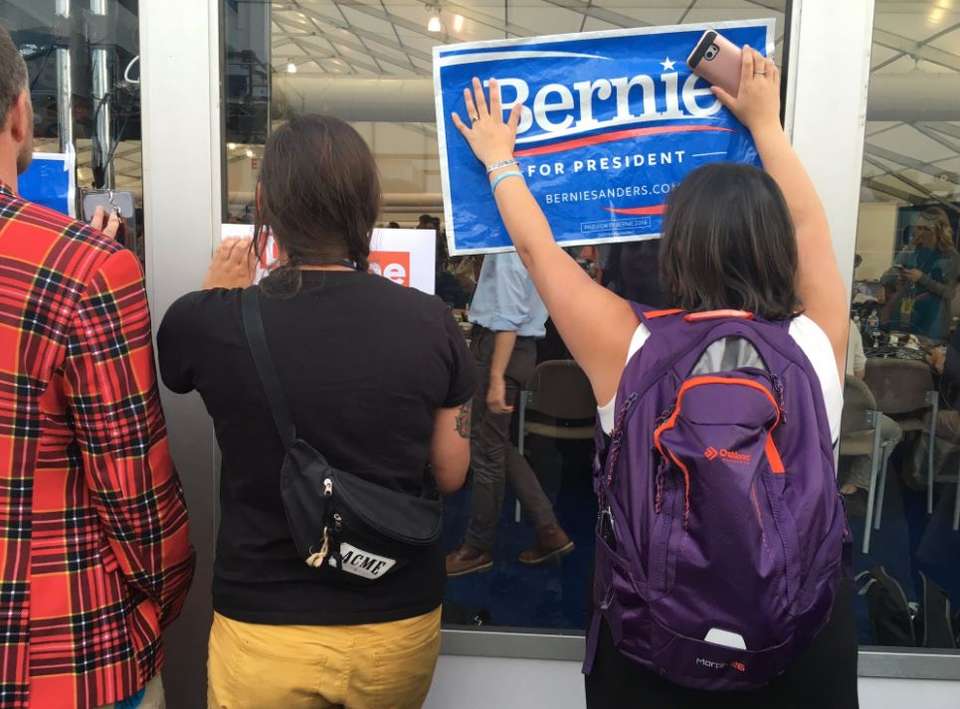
(257, 341)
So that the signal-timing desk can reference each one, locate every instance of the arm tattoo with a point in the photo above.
(463, 420)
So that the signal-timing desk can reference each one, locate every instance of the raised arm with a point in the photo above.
(818, 282)
(595, 324)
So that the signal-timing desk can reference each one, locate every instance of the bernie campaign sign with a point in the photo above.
(611, 122)
(50, 180)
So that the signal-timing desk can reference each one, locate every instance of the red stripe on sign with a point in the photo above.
(638, 211)
(615, 136)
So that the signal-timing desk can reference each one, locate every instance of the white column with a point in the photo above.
(180, 72)
(826, 107)
(100, 60)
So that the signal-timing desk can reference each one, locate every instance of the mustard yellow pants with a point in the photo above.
(377, 666)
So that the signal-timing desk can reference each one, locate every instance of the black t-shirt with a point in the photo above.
(365, 364)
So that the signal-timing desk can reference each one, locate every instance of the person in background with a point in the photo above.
(448, 287)
(632, 272)
(443, 255)
(923, 279)
(856, 358)
(450, 291)
(393, 225)
(466, 269)
(508, 318)
(95, 544)
(735, 237)
(945, 362)
(857, 477)
(378, 379)
(594, 259)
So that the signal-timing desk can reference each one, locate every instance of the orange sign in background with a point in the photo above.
(394, 265)
(406, 256)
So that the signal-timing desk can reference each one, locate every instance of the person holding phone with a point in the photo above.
(735, 238)
(923, 280)
(95, 535)
(944, 361)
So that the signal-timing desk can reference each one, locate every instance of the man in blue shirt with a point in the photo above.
(508, 317)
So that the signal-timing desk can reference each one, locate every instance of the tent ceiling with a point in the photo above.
(905, 161)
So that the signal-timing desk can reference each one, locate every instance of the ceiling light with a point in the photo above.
(936, 16)
(249, 153)
(434, 24)
(458, 23)
(291, 68)
(231, 146)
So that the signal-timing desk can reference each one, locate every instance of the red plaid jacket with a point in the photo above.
(94, 553)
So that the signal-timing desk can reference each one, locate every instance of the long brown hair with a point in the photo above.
(939, 222)
(728, 242)
(319, 193)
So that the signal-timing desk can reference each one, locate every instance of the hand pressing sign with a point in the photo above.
(233, 265)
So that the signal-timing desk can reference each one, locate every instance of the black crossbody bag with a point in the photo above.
(350, 529)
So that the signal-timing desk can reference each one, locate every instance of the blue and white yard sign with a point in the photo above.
(51, 181)
(611, 123)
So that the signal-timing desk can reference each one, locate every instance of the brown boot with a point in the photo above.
(468, 560)
(552, 543)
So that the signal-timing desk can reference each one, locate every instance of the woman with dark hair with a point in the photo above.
(734, 238)
(377, 378)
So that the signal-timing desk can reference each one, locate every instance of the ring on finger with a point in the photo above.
(474, 117)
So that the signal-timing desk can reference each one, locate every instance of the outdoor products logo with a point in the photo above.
(712, 454)
(711, 665)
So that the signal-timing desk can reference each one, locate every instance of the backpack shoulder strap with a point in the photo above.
(655, 318)
(673, 317)
(257, 341)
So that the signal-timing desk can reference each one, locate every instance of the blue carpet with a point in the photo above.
(910, 541)
(556, 596)
(552, 596)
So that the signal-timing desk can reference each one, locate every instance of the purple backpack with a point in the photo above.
(721, 532)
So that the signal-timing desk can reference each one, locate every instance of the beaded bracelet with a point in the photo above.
(501, 164)
(500, 178)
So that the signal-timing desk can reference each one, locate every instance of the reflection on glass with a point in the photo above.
(83, 63)
(370, 63)
(900, 445)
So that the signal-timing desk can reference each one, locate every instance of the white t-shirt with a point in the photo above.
(815, 345)
(856, 359)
